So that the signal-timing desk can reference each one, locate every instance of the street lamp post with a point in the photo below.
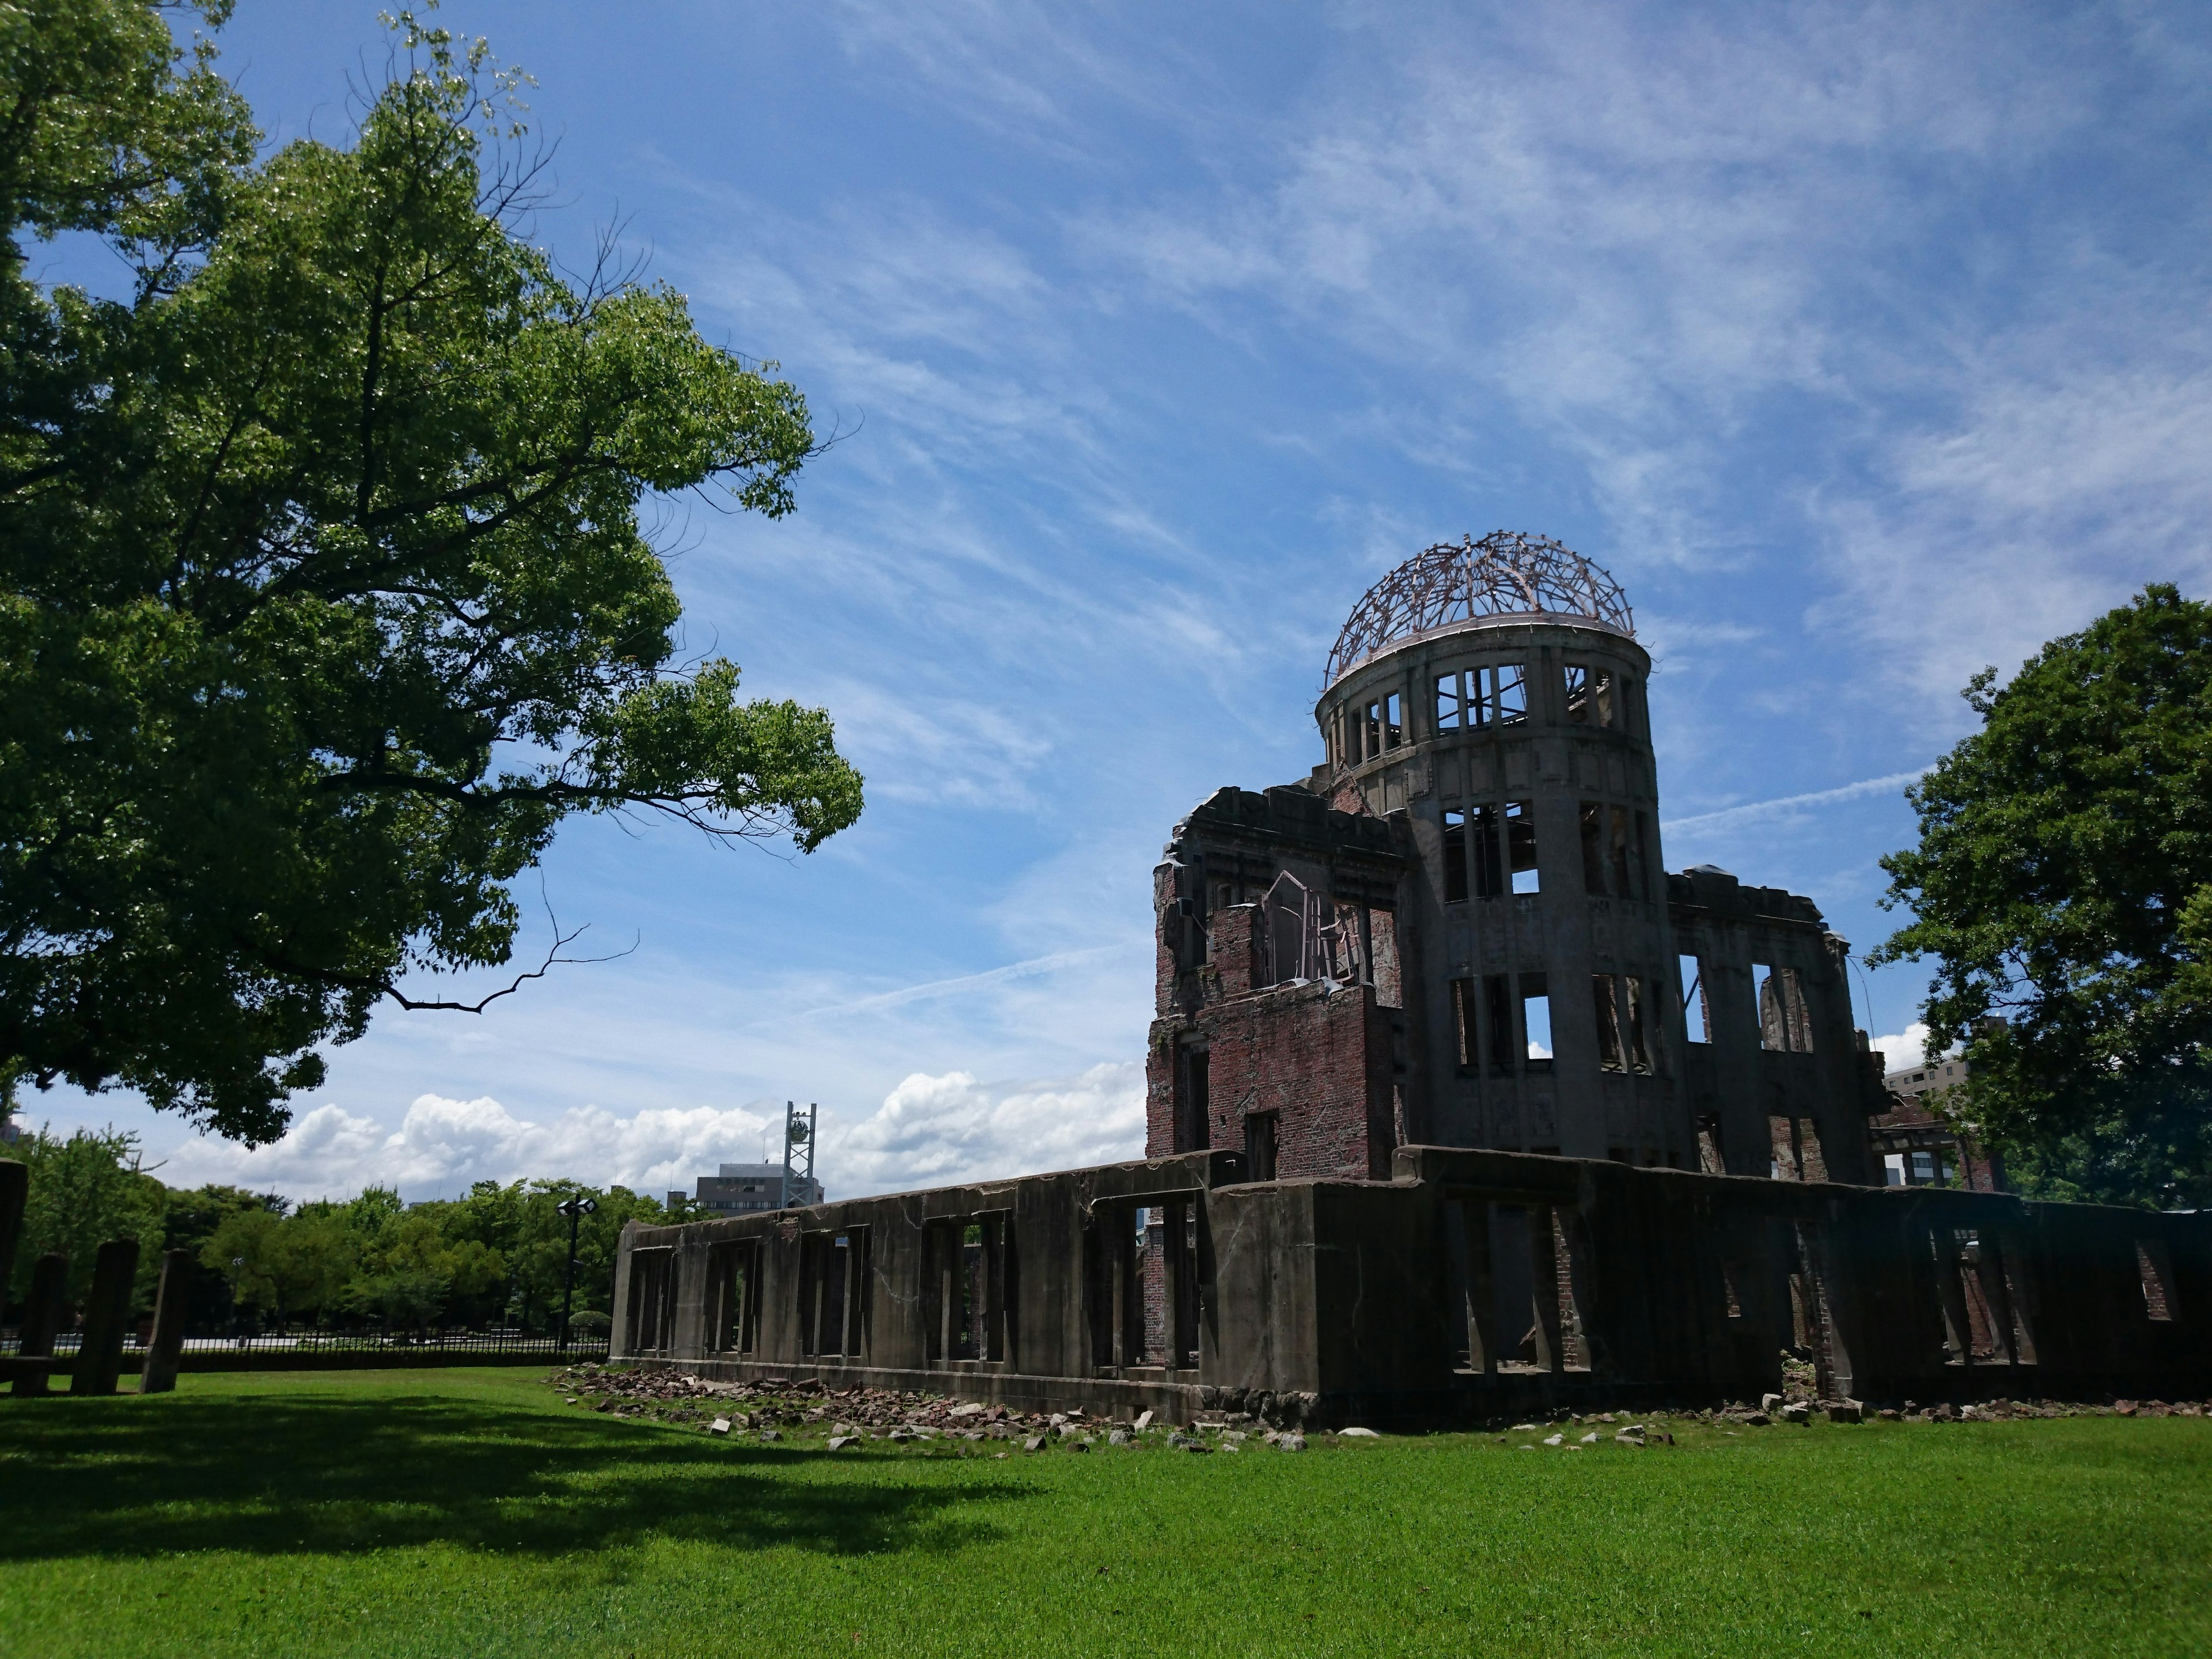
(575, 1209)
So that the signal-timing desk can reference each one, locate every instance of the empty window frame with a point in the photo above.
(1466, 1031)
(1592, 821)
(1508, 692)
(1641, 1048)
(1382, 726)
(1592, 696)
(1710, 1158)
(1627, 872)
(834, 1293)
(1192, 1106)
(1497, 1007)
(1697, 1013)
(1482, 827)
(1536, 1021)
(734, 1292)
(651, 1299)
(1482, 697)
(1263, 1134)
(1577, 676)
(1605, 1003)
(1521, 845)
(1784, 1025)
(1796, 1144)
(2156, 1270)
(1454, 854)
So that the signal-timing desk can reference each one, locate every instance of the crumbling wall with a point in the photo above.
(1397, 1301)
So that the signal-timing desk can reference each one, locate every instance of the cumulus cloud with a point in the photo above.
(1903, 1050)
(443, 1144)
(937, 1131)
(930, 1131)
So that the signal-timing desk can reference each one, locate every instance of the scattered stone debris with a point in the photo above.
(795, 1412)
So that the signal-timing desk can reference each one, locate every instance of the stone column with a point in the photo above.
(107, 1312)
(159, 1375)
(42, 1318)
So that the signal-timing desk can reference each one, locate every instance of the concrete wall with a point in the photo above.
(1471, 1286)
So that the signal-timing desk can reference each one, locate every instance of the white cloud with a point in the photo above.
(443, 1144)
(930, 1131)
(1750, 812)
(937, 1131)
(1903, 1050)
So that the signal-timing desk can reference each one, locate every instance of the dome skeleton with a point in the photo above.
(1506, 575)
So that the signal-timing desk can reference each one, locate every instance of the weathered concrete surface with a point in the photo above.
(1471, 1286)
(165, 1351)
(106, 1319)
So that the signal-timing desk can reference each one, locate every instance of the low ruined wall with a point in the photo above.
(1472, 1285)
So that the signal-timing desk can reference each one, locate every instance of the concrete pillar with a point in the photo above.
(107, 1312)
(42, 1318)
(162, 1358)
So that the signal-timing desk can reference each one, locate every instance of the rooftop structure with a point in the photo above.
(1507, 576)
(742, 1188)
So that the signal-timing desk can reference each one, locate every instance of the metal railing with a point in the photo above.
(385, 1345)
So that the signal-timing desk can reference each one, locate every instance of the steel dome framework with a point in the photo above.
(1507, 574)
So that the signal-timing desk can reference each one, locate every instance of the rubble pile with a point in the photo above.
(772, 1407)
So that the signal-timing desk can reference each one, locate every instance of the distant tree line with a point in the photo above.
(495, 1257)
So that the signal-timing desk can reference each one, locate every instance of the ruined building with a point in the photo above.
(1459, 1105)
(1460, 930)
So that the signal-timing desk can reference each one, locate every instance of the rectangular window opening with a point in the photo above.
(1488, 871)
(1521, 845)
(1697, 1015)
(1394, 722)
(1261, 1133)
(1448, 702)
(1627, 878)
(1464, 1023)
(1498, 1000)
(1773, 1033)
(2157, 1272)
(1196, 1115)
(1578, 693)
(1511, 681)
(1709, 1160)
(1602, 700)
(1592, 820)
(1536, 1021)
(1603, 1000)
(1797, 1019)
(1454, 850)
(1640, 1037)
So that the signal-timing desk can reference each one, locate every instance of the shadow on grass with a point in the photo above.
(275, 1477)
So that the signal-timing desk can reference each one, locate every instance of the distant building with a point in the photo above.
(1916, 1148)
(742, 1188)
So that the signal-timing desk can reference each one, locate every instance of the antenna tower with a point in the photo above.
(798, 1150)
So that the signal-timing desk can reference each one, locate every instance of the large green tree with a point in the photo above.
(324, 595)
(2063, 886)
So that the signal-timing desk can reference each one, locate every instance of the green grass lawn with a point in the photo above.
(470, 1513)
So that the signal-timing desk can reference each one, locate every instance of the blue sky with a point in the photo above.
(1865, 345)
